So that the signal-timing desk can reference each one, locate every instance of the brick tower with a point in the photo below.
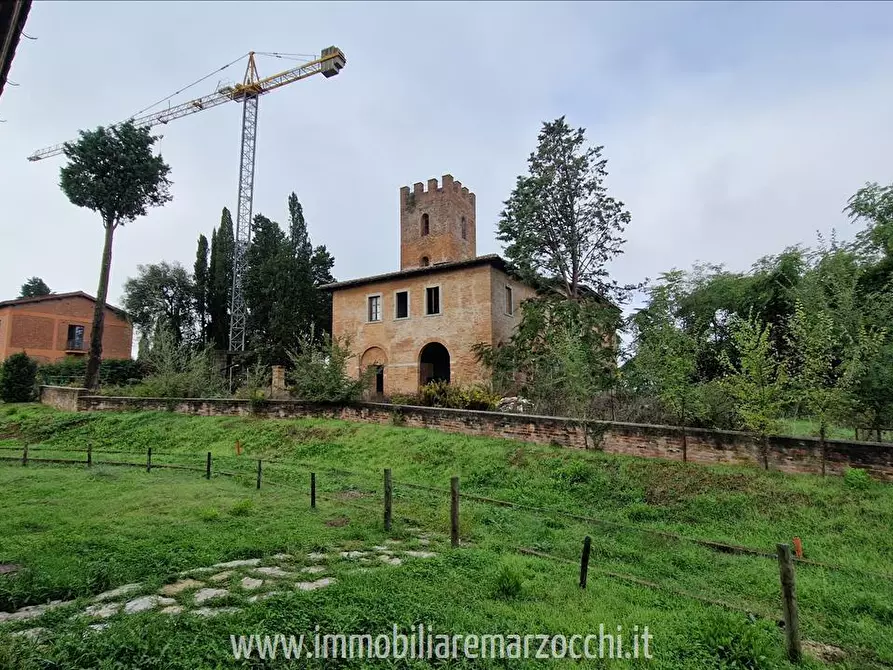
(437, 225)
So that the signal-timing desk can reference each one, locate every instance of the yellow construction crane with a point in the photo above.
(328, 64)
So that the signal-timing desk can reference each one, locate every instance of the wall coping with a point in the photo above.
(507, 416)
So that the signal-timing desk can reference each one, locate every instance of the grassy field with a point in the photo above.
(78, 531)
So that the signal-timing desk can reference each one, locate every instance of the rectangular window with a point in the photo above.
(509, 301)
(402, 304)
(75, 338)
(432, 300)
(374, 311)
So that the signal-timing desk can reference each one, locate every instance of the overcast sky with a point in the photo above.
(732, 130)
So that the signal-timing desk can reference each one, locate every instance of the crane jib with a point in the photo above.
(329, 64)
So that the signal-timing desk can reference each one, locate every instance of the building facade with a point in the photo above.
(49, 328)
(421, 323)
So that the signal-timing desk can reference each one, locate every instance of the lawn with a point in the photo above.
(78, 531)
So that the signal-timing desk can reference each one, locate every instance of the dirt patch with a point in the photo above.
(824, 652)
(675, 485)
(11, 431)
(8, 568)
(349, 495)
(338, 522)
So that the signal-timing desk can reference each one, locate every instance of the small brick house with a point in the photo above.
(420, 323)
(51, 327)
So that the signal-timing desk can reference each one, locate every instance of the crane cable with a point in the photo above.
(185, 88)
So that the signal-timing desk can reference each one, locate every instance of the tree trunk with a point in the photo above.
(824, 446)
(95, 358)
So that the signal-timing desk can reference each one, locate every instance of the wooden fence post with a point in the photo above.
(25, 456)
(584, 561)
(149, 460)
(208, 467)
(90, 455)
(789, 603)
(388, 498)
(312, 490)
(454, 511)
(258, 473)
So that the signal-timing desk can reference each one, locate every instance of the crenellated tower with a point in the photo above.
(437, 224)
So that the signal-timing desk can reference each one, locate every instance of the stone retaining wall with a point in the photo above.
(786, 454)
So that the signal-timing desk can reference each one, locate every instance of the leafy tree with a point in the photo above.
(220, 280)
(17, 378)
(873, 390)
(873, 205)
(114, 172)
(666, 355)
(561, 228)
(34, 287)
(201, 275)
(758, 381)
(559, 221)
(821, 381)
(561, 356)
(161, 295)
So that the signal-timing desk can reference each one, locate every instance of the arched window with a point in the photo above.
(425, 262)
(464, 227)
(426, 225)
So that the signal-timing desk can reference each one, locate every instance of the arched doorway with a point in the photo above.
(434, 363)
(375, 358)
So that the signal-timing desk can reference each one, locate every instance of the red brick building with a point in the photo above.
(48, 328)
(420, 324)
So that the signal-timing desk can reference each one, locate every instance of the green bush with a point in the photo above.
(17, 378)
(175, 372)
(856, 479)
(319, 371)
(444, 394)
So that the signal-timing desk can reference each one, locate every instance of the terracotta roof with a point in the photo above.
(59, 296)
(490, 259)
(12, 21)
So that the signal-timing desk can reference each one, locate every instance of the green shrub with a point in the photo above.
(856, 479)
(733, 643)
(405, 399)
(319, 371)
(444, 394)
(176, 372)
(17, 378)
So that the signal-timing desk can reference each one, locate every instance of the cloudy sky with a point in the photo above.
(732, 130)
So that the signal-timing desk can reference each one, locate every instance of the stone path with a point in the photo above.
(219, 589)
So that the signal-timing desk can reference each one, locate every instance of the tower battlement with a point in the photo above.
(421, 191)
(437, 223)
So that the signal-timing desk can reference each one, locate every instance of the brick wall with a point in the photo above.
(785, 454)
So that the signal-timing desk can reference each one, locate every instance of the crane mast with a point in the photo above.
(329, 64)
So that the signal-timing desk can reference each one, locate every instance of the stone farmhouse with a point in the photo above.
(420, 323)
(48, 328)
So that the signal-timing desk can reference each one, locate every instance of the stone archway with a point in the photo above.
(375, 357)
(434, 363)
